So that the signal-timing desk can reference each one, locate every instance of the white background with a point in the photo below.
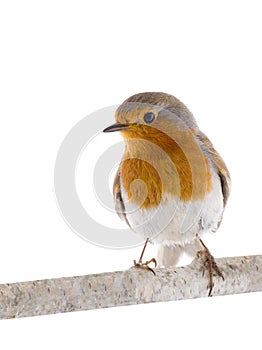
(61, 60)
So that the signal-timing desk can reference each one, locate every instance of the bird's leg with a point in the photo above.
(145, 265)
(210, 264)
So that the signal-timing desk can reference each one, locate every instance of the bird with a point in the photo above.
(171, 186)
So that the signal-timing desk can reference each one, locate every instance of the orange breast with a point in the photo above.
(155, 166)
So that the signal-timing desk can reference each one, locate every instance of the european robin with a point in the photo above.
(171, 186)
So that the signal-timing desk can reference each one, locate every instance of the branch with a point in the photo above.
(133, 286)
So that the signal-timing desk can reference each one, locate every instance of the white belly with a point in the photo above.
(175, 222)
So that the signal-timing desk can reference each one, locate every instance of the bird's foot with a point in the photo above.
(145, 265)
(141, 265)
(210, 265)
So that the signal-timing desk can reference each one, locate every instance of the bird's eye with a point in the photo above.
(149, 117)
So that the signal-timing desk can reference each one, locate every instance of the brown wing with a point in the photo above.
(219, 163)
(119, 203)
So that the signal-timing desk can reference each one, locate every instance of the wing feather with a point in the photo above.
(119, 203)
(219, 163)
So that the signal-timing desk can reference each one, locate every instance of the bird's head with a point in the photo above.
(149, 114)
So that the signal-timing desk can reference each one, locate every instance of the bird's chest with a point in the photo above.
(145, 182)
(149, 180)
(157, 167)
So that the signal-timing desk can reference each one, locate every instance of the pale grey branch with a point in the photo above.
(133, 286)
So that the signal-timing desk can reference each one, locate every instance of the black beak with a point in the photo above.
(116, 127)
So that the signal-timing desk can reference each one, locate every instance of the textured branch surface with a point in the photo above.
(133, 286)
